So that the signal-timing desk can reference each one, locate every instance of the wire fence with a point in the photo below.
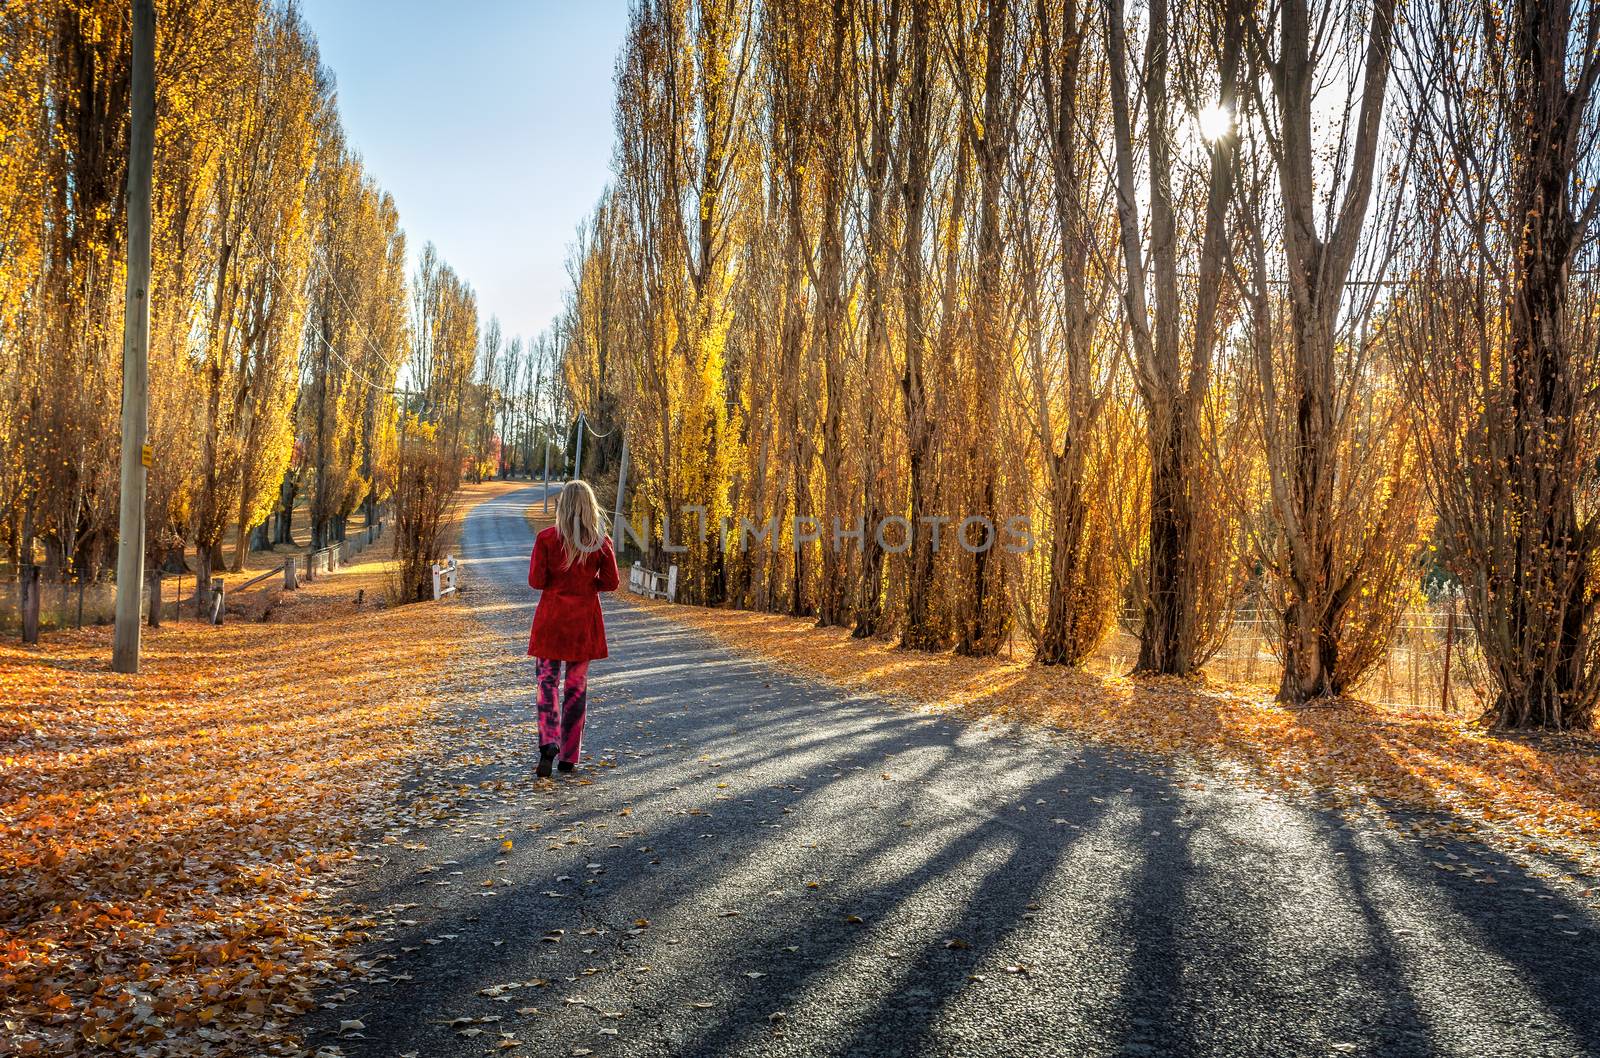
(1434, 662)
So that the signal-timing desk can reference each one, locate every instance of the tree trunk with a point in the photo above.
(29, 589)
(242, 542)
(1167, 626)
(1304, 455)
(879, 97)
(923, 630)
(1551, 596)
(318, 507)
(986, 624)
(1079, 591)
(202, 585)
(1060, 639)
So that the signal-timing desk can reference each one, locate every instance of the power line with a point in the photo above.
(327, 273)
(371, 345)
(348, 365)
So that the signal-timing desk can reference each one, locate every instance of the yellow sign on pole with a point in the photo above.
(145, 454)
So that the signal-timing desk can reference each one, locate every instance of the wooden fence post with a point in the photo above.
(155, 598)
(218, 601)
(30, 603)
(1449, 641)
(290, 581)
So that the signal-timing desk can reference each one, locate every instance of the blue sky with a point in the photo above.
(490, 121)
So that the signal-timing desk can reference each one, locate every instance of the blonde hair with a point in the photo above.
(579, 522)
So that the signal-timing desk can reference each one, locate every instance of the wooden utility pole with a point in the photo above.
(136, 343)
(577, 461)
(547, 472)
(622, 484)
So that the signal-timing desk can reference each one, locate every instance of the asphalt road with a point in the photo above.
(749, 863)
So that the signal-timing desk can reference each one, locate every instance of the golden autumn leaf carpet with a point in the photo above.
(166, 839)
(1536, 794)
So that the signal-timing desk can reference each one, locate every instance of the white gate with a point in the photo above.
(653, 585)
(444, 577)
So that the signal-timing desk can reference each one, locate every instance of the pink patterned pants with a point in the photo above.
(563, 726)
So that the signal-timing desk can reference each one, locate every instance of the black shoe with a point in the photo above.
(547, 755)
(566, 766)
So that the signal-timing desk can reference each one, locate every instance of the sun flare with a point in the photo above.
(1215, 121)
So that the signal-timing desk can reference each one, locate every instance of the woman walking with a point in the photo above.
(572, 563)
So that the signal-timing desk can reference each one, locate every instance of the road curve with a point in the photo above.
(759, 865)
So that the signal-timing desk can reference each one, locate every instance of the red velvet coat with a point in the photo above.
(567, 625)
